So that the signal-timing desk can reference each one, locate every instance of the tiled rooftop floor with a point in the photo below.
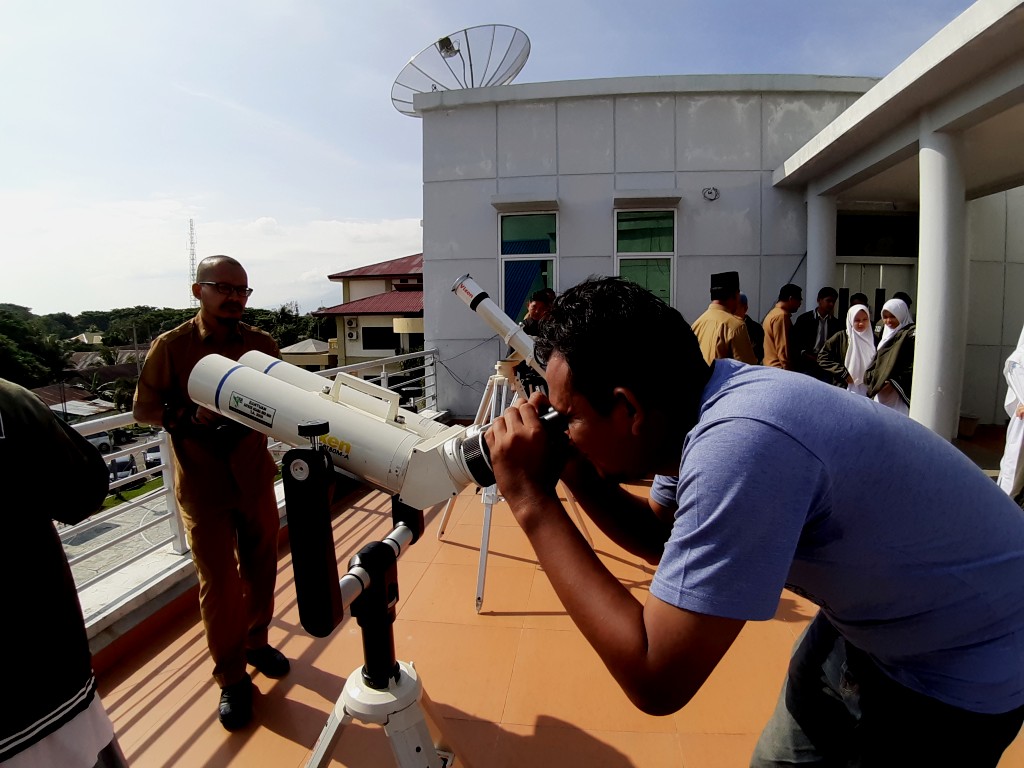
(515, 685)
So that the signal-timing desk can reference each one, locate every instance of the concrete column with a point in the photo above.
(942, 289)
(821, 245)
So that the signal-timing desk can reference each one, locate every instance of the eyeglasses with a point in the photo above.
(227, 289)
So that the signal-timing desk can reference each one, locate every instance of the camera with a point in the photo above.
(477, 457)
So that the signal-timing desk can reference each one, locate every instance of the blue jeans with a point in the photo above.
(837, 708)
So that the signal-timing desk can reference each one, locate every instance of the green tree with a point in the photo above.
(94, 321)
(30, 358)
(119, 392)
(18, 311)
(19, 366)
(60, 323)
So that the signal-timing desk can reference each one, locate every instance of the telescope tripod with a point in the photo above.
(504, 389)
(383, 691)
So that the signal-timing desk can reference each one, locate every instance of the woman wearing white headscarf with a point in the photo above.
(848, 354)
(890, 375)
(1011, 468)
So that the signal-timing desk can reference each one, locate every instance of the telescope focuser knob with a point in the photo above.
(314, 430)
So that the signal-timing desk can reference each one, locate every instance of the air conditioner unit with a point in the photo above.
(351, 322)
(352, 335)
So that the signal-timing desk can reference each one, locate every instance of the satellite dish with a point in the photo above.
(478, 57)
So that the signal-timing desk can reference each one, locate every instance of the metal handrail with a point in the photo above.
(424, 377)
(118, 539)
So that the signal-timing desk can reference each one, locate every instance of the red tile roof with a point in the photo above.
(390, 303)
(407, 265)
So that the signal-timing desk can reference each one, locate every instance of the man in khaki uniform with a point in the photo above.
(778, 328)
(224, 483)
(720, 333)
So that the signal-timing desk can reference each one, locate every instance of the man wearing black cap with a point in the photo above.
(720, 333)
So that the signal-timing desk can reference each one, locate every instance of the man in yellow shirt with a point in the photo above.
(224, 483)
(778, 328)
(720, 333)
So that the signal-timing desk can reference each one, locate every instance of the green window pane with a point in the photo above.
(644, 232)
(523, 278)
(653, 274)
(529, 233)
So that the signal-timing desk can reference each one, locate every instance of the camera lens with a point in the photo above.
(476, 455)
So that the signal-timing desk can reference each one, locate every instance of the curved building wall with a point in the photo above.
(701, 147)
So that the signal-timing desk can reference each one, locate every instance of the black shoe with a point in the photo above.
(270, 661)
(235, 710)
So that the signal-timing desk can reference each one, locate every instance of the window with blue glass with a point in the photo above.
(524, 237)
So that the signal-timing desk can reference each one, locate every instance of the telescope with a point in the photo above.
(359, 429)
(420, 461)
(476, 298)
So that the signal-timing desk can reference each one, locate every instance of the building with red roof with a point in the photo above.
(381, 312)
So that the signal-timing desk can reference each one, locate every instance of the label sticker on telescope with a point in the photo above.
(341, 447)
(252, 409)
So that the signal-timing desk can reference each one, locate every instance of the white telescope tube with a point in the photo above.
(383, 454)
(476, 298)
(346, 395)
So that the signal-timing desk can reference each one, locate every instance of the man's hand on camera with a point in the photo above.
(526, 459)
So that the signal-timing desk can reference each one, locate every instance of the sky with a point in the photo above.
(269, 123)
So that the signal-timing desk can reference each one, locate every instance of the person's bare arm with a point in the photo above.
(640, 526)
(659, 654)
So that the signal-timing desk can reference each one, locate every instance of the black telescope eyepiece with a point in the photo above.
(477, 456)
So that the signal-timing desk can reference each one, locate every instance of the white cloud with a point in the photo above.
(68, 254)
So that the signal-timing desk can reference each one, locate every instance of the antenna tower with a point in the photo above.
(191, 262)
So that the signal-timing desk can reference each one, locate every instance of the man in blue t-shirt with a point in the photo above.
(767, 480)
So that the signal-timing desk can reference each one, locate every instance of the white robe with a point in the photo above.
(1014, 374)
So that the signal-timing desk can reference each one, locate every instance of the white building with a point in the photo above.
(804, 179)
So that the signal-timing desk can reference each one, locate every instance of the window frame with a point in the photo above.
(503, 258)
(635, 255)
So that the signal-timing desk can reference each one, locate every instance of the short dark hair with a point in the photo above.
(829, 292)
(859, 298)
(904, 296)
(602, 317)
(544, 296)
(790, 291)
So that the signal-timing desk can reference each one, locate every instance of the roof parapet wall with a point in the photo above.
(633, 86)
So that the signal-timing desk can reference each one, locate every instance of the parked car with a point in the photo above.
(152, 457)
(122, 466)
(102, 441)
(122, 436)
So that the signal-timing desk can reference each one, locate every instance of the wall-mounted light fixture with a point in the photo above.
(710, 193)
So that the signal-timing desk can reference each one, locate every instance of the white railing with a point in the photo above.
(112, 540)
(418, 381)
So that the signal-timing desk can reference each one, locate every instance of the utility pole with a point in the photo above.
(135, 344)
(191, 262)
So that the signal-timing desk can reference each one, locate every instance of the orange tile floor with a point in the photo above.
(514, 685)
